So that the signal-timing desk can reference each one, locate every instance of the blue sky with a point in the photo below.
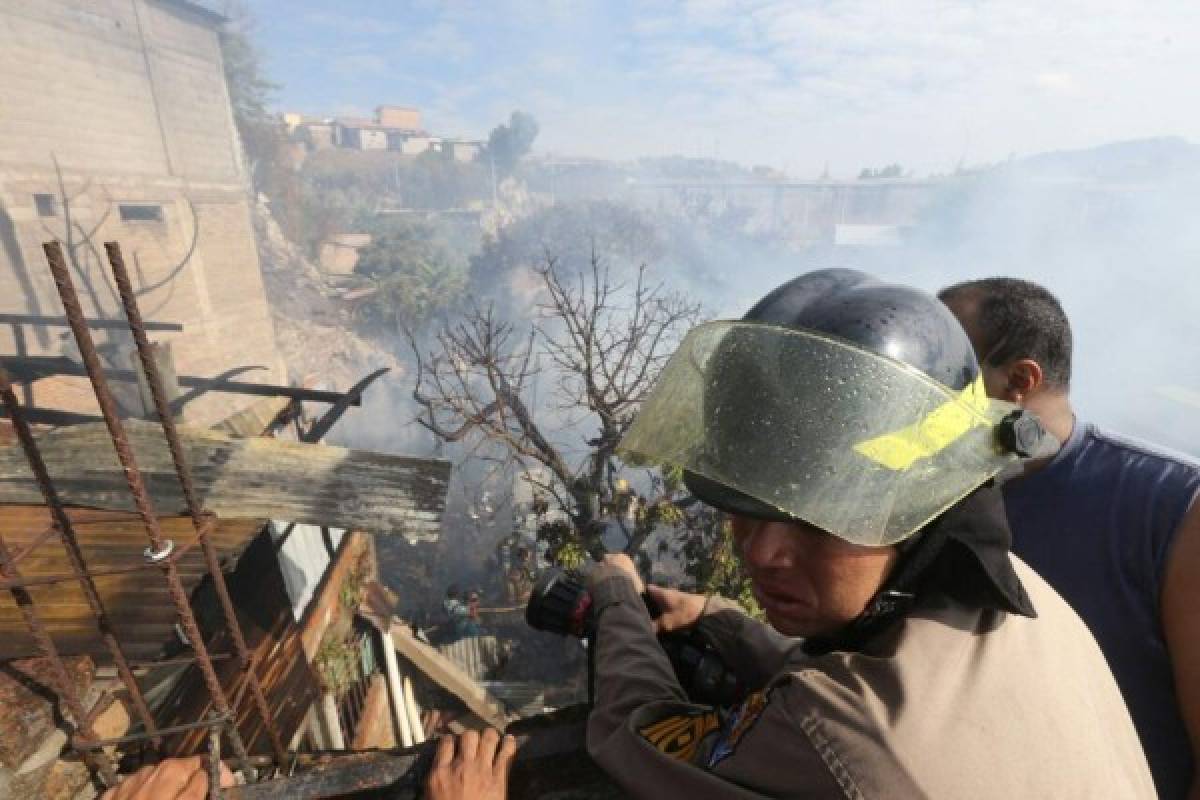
(795, 85)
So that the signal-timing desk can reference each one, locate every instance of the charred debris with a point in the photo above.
(173, 590)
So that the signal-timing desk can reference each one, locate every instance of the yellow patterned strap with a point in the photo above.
(930, 435)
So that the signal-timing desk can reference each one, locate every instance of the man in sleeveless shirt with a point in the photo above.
(1112, 524)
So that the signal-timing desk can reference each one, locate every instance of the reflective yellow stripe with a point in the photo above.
(939, 429)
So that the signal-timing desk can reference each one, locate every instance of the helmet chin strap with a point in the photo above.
(963, 554)
(893, 600)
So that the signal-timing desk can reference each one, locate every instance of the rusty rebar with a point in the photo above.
(210, 721)
(176, 662)
(162, 406)
(49, 532)
(98, 759)
(137, 486)
(214, 764)
(70, 543)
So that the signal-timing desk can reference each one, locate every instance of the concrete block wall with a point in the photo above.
(213, 287)
(54, 100)
(189, 83)
(111, 102)
(129, 86)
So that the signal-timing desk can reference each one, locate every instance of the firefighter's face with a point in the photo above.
(808, 582)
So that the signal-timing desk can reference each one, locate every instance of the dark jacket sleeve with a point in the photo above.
(753, 651)
(655, 743)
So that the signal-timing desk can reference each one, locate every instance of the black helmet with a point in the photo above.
(850, 403)
(894, 321)
(897, 322)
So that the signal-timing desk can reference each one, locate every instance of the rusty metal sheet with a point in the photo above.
(138, 603)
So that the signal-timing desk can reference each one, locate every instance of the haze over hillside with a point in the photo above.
(793, 86)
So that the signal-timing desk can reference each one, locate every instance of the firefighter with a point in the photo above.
(459, 622)
(519, 578)
(844, 427)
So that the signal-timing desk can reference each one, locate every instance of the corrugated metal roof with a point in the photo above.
(525, 698)
(479, 656)
(138, 603)
(303, 559)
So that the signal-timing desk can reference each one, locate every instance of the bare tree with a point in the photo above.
(598, 344)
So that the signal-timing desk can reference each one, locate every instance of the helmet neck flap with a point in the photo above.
(963, 554)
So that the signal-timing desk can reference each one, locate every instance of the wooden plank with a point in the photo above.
(64, 614)
(242, 478)
(254, 419)
(31, 368)
(449, 676)
(374, 723)
(23, 645)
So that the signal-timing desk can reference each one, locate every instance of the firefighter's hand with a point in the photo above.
(625, 564)
(680, 610)
(471, 766)
(173, 779)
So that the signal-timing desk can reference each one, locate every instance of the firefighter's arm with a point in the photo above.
(1181, 626)
(753, 651)
(655, 743)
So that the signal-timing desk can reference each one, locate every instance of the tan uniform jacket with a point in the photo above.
(951, 703)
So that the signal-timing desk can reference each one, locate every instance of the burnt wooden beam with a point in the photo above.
(332, 415)
(31, 368)
(551, 758)
(94, 324)
(53, 416)
(240, 478)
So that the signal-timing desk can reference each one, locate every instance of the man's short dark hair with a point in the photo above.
(1019, 319)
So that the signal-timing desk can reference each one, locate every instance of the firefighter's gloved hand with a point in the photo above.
(471, 766)
(680, 610)
(173, 779)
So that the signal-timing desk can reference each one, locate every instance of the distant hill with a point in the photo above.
(1135, 160)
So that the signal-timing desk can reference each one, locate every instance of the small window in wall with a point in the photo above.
(46, 205)
(141, 212)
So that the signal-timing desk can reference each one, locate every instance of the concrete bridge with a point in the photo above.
(806, 212)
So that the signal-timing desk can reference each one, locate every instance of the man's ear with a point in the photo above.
(1024, 377)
